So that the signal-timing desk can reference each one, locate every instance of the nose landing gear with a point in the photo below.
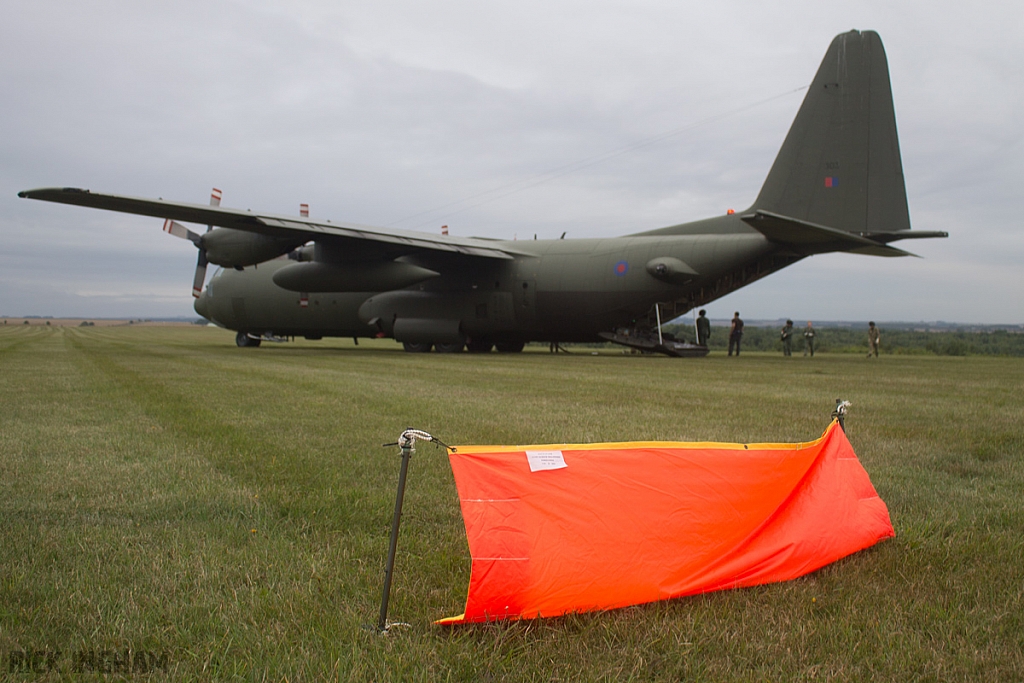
(246, 340)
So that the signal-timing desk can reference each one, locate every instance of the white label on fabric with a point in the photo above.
(545, 460)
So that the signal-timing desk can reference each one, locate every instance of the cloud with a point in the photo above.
(416, 115)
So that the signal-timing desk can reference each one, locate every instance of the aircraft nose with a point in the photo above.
(202, 305)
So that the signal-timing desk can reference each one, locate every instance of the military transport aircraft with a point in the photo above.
(836, 185)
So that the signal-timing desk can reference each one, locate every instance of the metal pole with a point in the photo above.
(657, 312)
(406, 446)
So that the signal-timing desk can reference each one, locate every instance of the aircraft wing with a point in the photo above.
(811, 238)
(266, 224)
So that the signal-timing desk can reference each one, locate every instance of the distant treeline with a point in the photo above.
(855, 340)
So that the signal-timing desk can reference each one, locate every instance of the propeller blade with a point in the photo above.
(214, 201)
(200, 278)
(179, 230)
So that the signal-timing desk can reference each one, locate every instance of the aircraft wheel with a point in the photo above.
(243, 340)
(479, 345)
(412, 347)
(510, 347)
(449, 348)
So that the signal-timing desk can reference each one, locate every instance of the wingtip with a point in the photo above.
(44, 191)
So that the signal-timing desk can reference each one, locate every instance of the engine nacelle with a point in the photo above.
(238, 248)
(352, 276)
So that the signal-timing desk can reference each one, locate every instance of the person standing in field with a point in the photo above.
(703, 328)
(874, 339)
(787, 339)
(735, 333)
(809, 339)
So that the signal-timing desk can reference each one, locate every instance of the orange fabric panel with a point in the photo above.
(628, 523)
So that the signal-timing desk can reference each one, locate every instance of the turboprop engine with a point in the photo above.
(227, 247)
(236, 248)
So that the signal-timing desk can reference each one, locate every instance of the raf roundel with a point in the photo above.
(621, 268)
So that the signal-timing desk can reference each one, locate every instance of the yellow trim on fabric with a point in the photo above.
(626, 445)
(451, 620)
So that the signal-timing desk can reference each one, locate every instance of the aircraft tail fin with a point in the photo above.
(840, 165)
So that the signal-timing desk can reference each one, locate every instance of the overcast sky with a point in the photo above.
(499, 120)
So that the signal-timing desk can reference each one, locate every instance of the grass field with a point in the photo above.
(225, 512)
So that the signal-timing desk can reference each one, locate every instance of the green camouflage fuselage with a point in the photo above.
(563, 290)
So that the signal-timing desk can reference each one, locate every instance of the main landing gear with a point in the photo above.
(473, 346)
(424, 347)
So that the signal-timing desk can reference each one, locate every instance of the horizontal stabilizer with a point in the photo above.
(809, 238)
(886, 237)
